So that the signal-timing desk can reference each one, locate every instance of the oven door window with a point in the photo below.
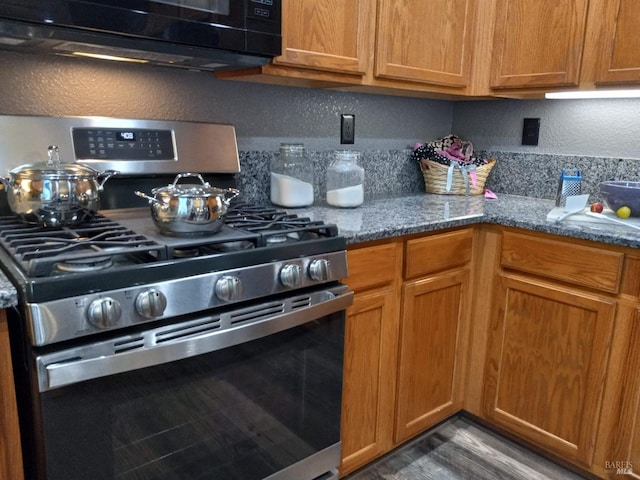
(244, 412)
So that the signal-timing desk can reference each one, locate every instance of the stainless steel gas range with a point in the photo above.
(141, 355)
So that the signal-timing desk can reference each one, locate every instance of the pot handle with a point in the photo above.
(107, 174)
(230, 194)
(184, 175)
(144, 195)
(54, 155)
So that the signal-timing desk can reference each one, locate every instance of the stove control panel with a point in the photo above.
(76, 317)
(123, 144)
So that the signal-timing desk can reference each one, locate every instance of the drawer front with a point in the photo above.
(438, 252)
(574, 263)
(373, 266)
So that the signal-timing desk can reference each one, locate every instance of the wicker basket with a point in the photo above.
(435, 178)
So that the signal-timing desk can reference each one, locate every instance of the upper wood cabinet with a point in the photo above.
(429, 42)
(327, 35)
(411, 47)
(613, 44)
(537, 44)
(455, 48)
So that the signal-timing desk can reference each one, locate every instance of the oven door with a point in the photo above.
(249, 394)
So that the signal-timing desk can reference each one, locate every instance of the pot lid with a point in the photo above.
(188, 189)
(53, 167)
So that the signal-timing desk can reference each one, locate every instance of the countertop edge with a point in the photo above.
(387, 218)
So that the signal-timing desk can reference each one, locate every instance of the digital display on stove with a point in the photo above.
(126, 136)
(123, 144)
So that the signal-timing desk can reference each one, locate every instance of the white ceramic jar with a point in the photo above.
(345, 180)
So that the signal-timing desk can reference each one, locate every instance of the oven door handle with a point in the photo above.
(101, 359)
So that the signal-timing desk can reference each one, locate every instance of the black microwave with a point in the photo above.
(196, 34)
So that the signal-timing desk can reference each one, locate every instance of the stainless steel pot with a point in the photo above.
(189, 209)
(54, 194)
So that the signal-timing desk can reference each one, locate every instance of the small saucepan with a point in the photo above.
(189, 209)
(55, 194)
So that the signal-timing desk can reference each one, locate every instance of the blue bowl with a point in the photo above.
(616, 194)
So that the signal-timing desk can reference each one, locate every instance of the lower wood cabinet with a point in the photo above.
(622, 456)
(371, 345)
(546, 365)
(536, 334)
(10, 452)
(432, 351)
(405, 342)
(369, 383)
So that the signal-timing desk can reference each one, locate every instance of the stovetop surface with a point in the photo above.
(123, 247)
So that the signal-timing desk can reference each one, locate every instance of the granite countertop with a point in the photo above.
(392, 217)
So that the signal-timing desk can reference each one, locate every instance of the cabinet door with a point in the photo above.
(547, 357)
(327, 35)
(369, 377)
(432, 348)
(625, 453)
(10, 453)
(427, 42)
(538, 43)
(616, 27)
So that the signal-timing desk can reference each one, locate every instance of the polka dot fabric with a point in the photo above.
(445, 150)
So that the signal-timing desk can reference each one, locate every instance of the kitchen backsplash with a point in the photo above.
(387, 173)
(394, 173)
(534, 175)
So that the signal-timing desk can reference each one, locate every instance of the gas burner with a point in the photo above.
(92, 264)
(233, 246)
(276, 226)
(273, 239)
(43, 251)
(186, 252)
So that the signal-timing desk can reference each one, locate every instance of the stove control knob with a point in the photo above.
(319, 270)
(228, 288)
(151, 303)
(291, 276)
(104, 312)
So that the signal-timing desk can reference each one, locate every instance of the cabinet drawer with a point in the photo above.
(371, 266)
(439, 252)
(563, 260)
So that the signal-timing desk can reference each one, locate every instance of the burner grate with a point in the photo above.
(39, 250)
(277, 226)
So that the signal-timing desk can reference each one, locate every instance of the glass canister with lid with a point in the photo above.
(345, 180)
(292, 177)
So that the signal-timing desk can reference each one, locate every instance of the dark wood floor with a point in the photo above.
(460, 449)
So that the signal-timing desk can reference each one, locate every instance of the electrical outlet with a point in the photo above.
(347, 128)
(530, 131)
